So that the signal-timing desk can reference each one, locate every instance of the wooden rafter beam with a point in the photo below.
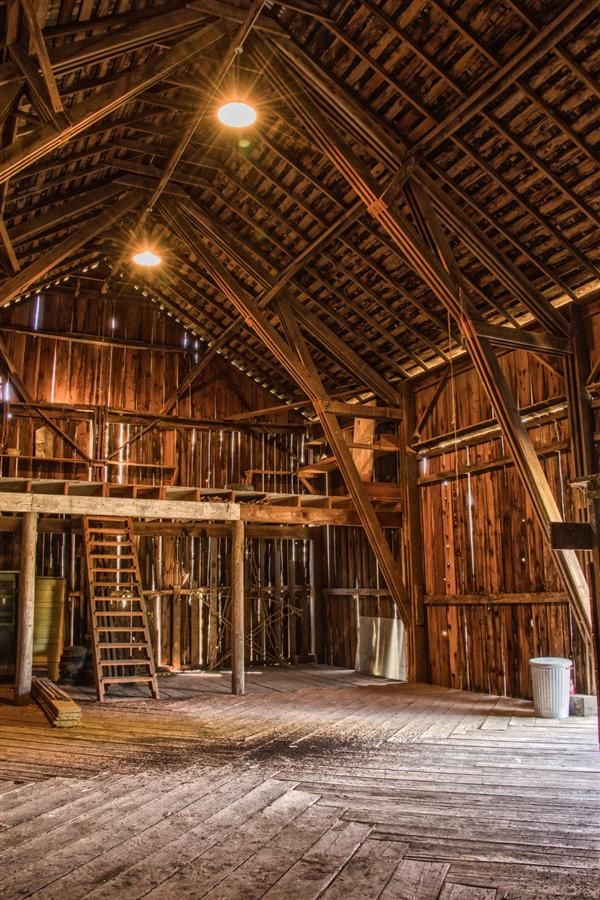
(480, 245)
(319, 282)
(496, 123)
(155, 149)
(9, 98)
(331, 342)
(59, 215)
(30, 148)
(435, 265)
(287, 273)
(262, 362)
(9, 248)
(532, 95)
(31, 275)
(541, 308)
(390, 149)
(472, 211)
(560, 51)
(36, 86)
(520, 338)
(191, 310)
(41, 51)
(71, 56)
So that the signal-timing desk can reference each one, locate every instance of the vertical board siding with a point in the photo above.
(482, 538)
(486, 647)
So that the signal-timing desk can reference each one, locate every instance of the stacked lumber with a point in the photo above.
(59, 709)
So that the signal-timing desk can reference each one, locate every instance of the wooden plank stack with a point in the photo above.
(59, 709)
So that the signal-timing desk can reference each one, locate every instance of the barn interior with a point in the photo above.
(299, 428)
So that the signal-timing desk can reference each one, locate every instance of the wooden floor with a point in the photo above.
(319, 783)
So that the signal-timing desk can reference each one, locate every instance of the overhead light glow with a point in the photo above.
(237, 114)
(146, 258)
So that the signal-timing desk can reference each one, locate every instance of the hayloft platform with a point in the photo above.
(318, 783)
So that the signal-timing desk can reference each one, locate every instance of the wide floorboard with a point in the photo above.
(319, 783)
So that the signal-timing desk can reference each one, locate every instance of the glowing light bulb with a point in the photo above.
(237, 114)
(146, 258)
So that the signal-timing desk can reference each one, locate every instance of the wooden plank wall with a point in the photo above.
(353, 588)
(482, 540)
(125, 378)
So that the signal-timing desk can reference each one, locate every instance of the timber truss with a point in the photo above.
(415, 182)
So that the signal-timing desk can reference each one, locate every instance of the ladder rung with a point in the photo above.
(115, 597)
(106, 517)
(111, 663)
(112, 556)
(131, 576)
(110, 613)
(118, 585)
(107, 543)
(115, 679)
(105, 645)
(107, 629)
(115, 586)
(103, 530)
(128, 608)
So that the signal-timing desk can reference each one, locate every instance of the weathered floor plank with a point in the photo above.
(317, 784)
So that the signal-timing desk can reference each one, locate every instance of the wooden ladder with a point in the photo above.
(119, 621)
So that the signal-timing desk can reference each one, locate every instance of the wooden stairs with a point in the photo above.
(119, 621)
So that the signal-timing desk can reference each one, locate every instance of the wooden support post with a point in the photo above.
(318, 548)
(595, 592)
(26, 606)
(412, 538)
(577, 371)
(238, 673)
(176, 627)
(312, 603)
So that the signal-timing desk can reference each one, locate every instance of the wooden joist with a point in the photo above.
(194, 505)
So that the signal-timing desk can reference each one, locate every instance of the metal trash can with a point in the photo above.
(551, 677)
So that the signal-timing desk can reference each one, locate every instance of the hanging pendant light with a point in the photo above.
(236, 114)
(146, 257)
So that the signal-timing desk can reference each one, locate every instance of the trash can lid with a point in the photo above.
(551, 662)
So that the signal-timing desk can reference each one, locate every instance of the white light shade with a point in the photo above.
(237, 114)
(146, 258)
